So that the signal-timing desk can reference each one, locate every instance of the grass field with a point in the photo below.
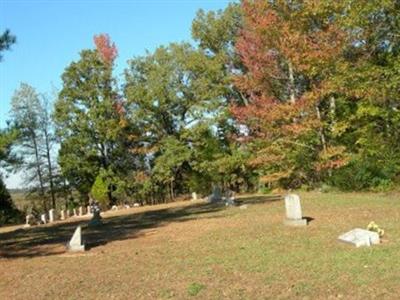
(194, 250)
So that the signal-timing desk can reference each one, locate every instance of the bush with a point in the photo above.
(100, 191)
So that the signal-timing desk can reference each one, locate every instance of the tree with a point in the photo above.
(8, 212)
(288, 50)
(90, 118)
(6, 40)
(25, 110)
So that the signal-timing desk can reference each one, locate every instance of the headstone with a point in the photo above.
(43, 218)
(80, 211)
(127, 206)
(294, 216)
(62, 215)
(216, 195)
(88, 210)
(114, 207)
(76, 244)
(96, 219)
(360, 237)
(52, 215)
(229, 198)
(30, 220)
(74, 211)
(136, 204)
(194, 196)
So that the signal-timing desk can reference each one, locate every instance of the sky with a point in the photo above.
(51, 33)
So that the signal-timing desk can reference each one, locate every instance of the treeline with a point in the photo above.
(271, 94)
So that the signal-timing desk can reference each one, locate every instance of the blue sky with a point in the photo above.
(50, 35)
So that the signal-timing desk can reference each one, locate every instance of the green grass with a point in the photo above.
(195, 250)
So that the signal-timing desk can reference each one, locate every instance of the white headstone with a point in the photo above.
(30, 220)
(68, 212)
(52, 216)
(74, 211)
(88, 211)
(62, 215)
(136, 204)
(75, 244)
(194, 196)
(360, 237)
(80, 210)
(294, 215)
(114, 207)
(43, 218)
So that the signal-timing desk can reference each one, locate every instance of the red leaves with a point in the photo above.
(107, 50)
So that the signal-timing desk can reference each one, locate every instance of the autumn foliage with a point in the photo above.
(107, 50)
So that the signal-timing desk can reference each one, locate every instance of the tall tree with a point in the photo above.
(25, 110)
(288, 49)
(90, 117)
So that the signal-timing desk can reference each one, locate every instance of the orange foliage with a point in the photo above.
(107, 50)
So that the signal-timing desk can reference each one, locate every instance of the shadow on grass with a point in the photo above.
(51, 240)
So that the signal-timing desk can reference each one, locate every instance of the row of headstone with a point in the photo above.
(54, 216)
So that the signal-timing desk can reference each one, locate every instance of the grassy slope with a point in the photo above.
(193, 250)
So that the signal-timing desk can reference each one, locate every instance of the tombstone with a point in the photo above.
(216, 195)
(114, 207)
(127, 206)
(229, 198)
(136, 204)
(62, 214)
(80, 211)
(30, 220)
(52, 215)
(96, 219)
(74, 212)
(88, 210)
(76, 244)
(68, 213)
(43, 218)
(194, 196)
(293, 211)
(360, 237)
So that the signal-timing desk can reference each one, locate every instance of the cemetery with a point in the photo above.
(200, 149)
(160, 251)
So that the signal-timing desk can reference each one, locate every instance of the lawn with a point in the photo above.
(195, 250)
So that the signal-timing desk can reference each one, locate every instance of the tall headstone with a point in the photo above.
(294, 215)
(75, 213)
(80, 211)
(68, 212)
(194, 196)
(88, 210)
(62, 215)
(216, 194)
(76, 244)
(96, 219)
(52, 215)
(43, 218)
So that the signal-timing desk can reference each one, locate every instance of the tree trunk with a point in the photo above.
(320, 129)
(39, 171)
(50, 168)
(292, 89)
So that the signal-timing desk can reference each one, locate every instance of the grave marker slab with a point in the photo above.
(360, 237)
